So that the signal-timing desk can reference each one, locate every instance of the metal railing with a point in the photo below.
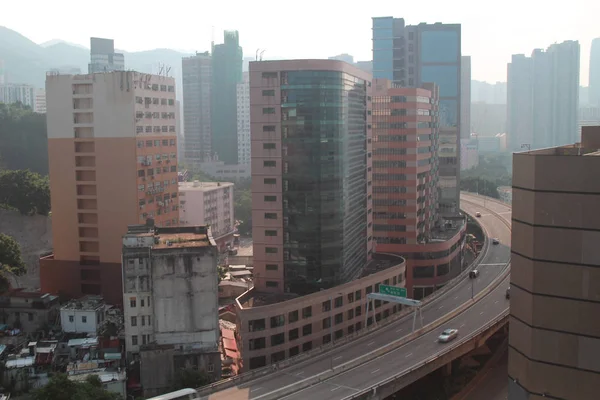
(432, 358)
(348, 339)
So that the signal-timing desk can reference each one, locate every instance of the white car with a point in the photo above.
(495, 241)
(448, 335)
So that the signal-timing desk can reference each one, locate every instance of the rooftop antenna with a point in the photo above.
(261, 54)
(256, 55)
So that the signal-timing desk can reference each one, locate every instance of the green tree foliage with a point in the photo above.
(190, 378)
(62, 388)
(493, 171)
(10, 260)
(23, 139)
(242, 198)
(25, 191)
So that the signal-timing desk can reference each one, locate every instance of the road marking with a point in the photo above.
(399, 330)
(368, 344)
(377, 370)
(254, 390)
(456, 298)
(337, 358)
(335, 388)
(496, 302)
(462, 325)
(440, 307)
(408, 355)
(299, 373)
(481, 313)
(492, 265)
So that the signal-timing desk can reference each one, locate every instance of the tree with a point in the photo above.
(10, 260)
(60, 387)
(242, 200)
(25, 191)
(190, 378)
(23, 138)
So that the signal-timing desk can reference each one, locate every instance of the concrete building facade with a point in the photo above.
(410, 55)
(311, 189)
(171, 301)
(112, 145)
(594, 82)
(210, 204)
(28, 311)
(40, 101)
(469, 154)
(554, 335)
(84, 315)
(465, 97)
(243, 120)
(103, 57)
(197, 81)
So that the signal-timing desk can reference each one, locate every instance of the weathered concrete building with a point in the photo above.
(170, 302)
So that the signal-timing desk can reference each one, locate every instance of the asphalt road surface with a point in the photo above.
(368, 374)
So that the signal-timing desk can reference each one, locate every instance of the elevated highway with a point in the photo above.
(386, 356)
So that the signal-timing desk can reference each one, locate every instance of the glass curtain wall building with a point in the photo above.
(411, 55)
(318, 111)
(227, 61)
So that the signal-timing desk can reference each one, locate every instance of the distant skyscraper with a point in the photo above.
(410, 55)
(311, 195)
(543, 97)
(465, 97)
(103, 57)
(18, 93)
(243, 120)
(594, 90)
(227, 61)
(197, 81)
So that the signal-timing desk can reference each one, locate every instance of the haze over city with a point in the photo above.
(310, 29)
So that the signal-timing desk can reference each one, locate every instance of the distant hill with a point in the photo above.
(27, 62)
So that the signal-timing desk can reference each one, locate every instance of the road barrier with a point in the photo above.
(321, 352)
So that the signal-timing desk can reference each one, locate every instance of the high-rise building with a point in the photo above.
(112, 145)
(227, 62)
(40, 101)
(18, 93)
(103, 57)
(197, 81)
(554, 328)
(170, 287)
(594, 84)
(465, 97)
(311, 163)
(543, 97)
(405, 163)
(243, 120)
(410, 55)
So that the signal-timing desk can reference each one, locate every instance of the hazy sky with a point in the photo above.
(310, 28)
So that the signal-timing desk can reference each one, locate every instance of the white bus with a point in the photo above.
(178, 395)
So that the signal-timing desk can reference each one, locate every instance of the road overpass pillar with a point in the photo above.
(447, 369)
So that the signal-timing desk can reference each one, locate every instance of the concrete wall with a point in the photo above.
(34, 235)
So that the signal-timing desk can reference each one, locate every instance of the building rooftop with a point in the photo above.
(448, 231)
(87, 303)
(167, 237)
(203, 186)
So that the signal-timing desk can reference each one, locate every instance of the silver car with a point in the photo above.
(448, 335)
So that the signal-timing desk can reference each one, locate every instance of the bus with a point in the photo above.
(178, 395)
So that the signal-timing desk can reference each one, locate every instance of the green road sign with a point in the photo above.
(392, 290)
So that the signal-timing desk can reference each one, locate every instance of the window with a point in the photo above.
(293, 316)
(339, 301)
(134, 340)
(268, 110)
(142, 303)
(269, 163)
(306, 346)
(143, 320)
(272, 284)
(307, 312)
(277, 321)
(350, 314)
(71, 318)
(358, 295)
(270, 181)
(268, 75)
(294, 351)
(271, 267)
(132, 302)
(269, 146)
(257, 343)
(268, 93)
(350, 297)
(268, 128)
(133, 321)
(307, 330)
(271, 250)
(339, 318)
(326, 339)
(256, 325)
(84, 319)
(293, 334)
(326, 322)
(270, 215)
(358, 311)
(326, 305)
(278, 339)
(270, 198)
(270, 232)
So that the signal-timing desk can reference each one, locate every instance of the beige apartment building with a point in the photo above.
(211, 204)
(112, 144)
(554, 342)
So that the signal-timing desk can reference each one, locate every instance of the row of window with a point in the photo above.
(155, 129)
(143, 302)
(145, 339)
(155, 115)
(156, 171)
(144, 319)
(157, 143)
(154, 100)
